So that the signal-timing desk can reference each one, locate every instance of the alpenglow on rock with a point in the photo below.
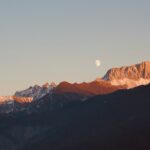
(131, 76)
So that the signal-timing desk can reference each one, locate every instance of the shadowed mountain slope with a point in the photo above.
(115, 121)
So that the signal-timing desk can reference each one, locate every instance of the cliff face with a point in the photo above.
(131, 76)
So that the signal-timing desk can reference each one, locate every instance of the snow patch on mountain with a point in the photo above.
(36, 92)
(130, 83)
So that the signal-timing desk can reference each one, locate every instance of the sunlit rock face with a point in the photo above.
(97, 87)
(11, 99)
(4, 99)
(131, 76)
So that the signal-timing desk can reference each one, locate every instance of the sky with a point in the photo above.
(52, 41)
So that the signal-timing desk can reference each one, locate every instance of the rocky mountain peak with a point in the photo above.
(138, 74)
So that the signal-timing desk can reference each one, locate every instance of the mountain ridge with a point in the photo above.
(132, 76)
(115, 79)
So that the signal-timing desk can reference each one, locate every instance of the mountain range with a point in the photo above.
(119, 121)
(115, 79)
(108, 113)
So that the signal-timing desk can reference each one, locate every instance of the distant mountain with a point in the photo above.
(65, 93)
(132, 76)
(22, 100)
(36, 92)
(59, 95)
(88, 89)
(30, 94)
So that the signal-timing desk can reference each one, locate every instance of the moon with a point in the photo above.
(97, 63)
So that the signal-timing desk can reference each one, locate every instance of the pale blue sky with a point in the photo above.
(45, 40)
